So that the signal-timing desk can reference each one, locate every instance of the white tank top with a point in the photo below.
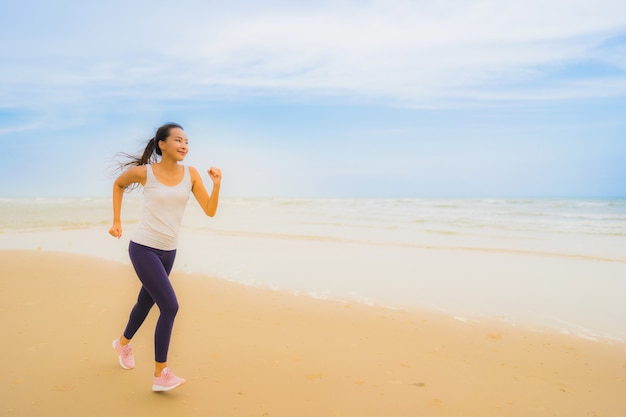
(163, 208)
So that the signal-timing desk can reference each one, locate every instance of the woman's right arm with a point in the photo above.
(128, 177)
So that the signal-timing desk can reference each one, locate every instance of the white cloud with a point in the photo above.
(416, 53)
(19, 128)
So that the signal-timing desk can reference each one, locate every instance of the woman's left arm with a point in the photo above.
(206, 201)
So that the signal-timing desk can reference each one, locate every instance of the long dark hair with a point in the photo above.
(152, 152)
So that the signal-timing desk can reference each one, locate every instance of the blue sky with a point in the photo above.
(335, 98)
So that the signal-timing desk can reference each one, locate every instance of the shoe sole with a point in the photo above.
(160, 388)
(119, 357)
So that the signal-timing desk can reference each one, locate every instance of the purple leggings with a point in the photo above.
(153, 267)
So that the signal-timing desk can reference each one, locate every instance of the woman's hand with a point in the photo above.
(216, 175)
(116, 230)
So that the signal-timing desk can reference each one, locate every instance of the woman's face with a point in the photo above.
(175, 146)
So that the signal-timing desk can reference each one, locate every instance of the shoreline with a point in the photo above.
(541, 291)
(254, 351)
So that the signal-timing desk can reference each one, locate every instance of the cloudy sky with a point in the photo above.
(343, 98)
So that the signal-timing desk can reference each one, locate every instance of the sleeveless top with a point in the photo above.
(163, 208)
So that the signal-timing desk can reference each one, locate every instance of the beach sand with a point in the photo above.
(255, 352)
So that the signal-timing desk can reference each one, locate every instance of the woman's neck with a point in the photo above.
(168, 164)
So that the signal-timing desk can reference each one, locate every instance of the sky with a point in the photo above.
(342, 98)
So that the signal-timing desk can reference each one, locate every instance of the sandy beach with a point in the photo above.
(253, 352)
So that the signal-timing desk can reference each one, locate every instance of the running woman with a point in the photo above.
(167, 185)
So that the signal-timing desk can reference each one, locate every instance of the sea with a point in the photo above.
(545, 264)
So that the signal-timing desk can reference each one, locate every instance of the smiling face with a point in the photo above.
(175, 146)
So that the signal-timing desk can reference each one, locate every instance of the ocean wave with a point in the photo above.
(460, 216)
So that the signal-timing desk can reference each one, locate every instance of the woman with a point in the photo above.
(152, 249)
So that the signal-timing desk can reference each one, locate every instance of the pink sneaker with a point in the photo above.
(125, 354)
(166, 381)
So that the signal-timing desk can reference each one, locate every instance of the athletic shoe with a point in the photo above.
(166, 381)
(125, 354)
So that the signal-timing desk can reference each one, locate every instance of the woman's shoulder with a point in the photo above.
(132, 175)
(194, 175)
(138, 172)
(139, 169)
